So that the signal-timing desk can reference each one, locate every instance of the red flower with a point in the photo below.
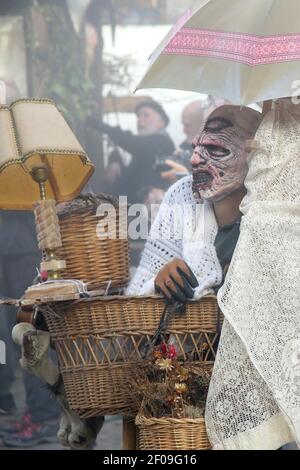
(168, 351)
(171, 353)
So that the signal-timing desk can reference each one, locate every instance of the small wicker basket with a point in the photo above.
(171, 433)
(100, 341)
(95, 260)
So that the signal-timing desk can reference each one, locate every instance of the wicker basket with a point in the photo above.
(171, 434)
(92, 259)
(99, 341)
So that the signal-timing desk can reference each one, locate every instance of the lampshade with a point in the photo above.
(34, 133)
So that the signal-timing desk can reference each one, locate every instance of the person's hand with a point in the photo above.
(172, 174)
(176, 282)
(113, 172)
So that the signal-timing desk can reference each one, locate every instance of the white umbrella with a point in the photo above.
(243, 51)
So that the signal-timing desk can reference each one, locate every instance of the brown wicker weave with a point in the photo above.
(91, 259)
(171, 434)
(98, 341)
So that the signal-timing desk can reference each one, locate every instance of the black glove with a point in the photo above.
(176, 282)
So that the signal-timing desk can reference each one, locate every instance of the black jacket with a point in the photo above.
(140, 175)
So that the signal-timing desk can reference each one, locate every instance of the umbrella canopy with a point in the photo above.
(243, 51)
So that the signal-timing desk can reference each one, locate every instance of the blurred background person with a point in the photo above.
(192, 118)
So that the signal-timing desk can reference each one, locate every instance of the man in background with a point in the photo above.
(152, 141)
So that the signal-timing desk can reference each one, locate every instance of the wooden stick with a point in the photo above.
(129, 434)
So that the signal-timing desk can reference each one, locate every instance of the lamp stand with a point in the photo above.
(49, 241)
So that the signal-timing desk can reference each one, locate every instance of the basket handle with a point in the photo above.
(169, 310)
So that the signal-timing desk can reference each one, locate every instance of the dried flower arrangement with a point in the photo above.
(165, 387)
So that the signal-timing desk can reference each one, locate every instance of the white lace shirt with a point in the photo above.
(183, 228)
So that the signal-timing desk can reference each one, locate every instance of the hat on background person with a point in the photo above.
(156, 107)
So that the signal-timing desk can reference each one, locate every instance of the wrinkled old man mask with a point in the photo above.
(219, 161)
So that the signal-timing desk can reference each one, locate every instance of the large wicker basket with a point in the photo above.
(99, 341)
(171, 434)
(98, 261)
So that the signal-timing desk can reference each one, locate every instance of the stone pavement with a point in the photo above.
(110, 437)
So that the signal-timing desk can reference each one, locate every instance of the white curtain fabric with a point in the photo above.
(254, 397)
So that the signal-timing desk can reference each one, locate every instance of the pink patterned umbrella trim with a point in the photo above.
(245, 48)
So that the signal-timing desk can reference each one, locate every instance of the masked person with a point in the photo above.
(194, 234)
(193, 117)
(254, 396)
(152, 141)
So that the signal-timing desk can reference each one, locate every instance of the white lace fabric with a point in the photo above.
(254, 397)
(184, 229)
